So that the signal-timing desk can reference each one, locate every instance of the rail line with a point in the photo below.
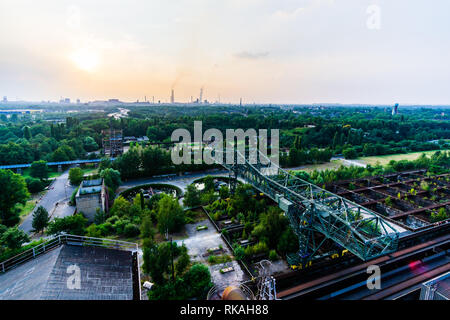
(340, 284)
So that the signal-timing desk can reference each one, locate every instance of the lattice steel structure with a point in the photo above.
(112, 141)
(313, 210)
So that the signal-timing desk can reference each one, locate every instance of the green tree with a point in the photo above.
(13, 191)
(157, 260)
(129, 163)
(13, 238)
(34, 185)
(209, 183)
(111, 178)
(39, 169)
(71, 224)
(350, 153)
(288, 242)
(191, 197)
(104, 164)
(170, 215)
(90, 144)
(147, 230)
(272, 225)
(198, 281)
(182, 262)
(63, 153)
(224, 192)
(26, 132)
(40, 219)
(75, 176)
(121, 207)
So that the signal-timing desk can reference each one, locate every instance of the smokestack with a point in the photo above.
(172, 97)
(201, 95)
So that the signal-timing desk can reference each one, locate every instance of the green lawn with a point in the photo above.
(333, 165)
(384, 160)
(27, 208)
(51, 173)
(89, 171)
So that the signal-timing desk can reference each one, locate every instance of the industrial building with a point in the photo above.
(69, 267)
(91, 197)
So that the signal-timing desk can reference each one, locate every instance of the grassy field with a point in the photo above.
(27, 208)
(333, 165)
(384, 160)
(51, 173)
(89, 171)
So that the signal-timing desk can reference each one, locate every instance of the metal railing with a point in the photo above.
(65, 239)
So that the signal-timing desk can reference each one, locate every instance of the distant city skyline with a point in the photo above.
(281, 52)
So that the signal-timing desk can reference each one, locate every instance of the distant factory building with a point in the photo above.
(395, 109)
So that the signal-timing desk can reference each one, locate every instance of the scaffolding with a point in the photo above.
(112, 140)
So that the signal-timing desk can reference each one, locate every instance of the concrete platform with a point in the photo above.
(104, 274)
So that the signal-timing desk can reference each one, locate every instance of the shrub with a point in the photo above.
(71, 224)
(13, 238)
(273, 255)
(131, 230)
(119, 226)
(93, 231)
(170, 215)
(34, 185)
(106, 228)
(441, 215)
(72, 197)
(75, 176)
(99, 216)
(239, 252)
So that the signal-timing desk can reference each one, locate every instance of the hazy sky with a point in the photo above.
(285, 51)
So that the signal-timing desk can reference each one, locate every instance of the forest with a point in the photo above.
(307, 134)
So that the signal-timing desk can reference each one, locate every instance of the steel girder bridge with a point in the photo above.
(312, 210)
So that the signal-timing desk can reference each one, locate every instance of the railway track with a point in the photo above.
(399, 270)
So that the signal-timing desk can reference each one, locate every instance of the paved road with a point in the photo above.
(355, 163)
(180, 181)
(55, 201)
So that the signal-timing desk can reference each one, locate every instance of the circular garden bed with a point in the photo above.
(131, 193)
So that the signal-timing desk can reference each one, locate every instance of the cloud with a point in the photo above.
(284, 15)
(307, 6)
(251, 55)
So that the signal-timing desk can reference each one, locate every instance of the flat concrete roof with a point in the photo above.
(105, 274)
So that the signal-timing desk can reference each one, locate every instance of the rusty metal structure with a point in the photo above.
(413, 200)
(112, 141)
(316, 215)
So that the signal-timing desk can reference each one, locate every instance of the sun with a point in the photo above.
(85, 59)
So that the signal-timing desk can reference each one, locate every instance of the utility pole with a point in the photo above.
(171, 254)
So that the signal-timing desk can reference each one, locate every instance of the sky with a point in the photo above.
(265, 51)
